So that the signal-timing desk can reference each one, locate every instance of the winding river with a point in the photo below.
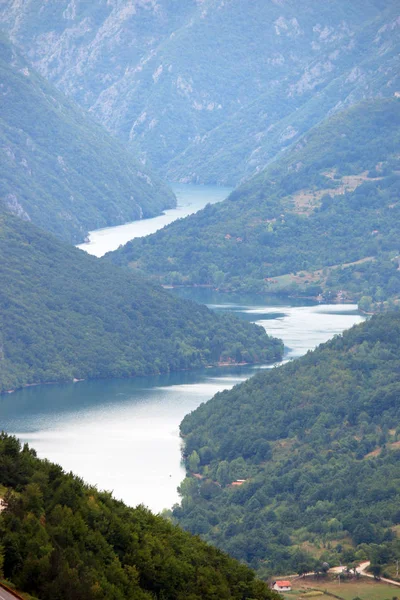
(190, 199)
(123, 435)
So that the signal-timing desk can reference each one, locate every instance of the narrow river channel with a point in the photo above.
(123, 435)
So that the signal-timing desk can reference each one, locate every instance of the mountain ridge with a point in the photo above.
(330, 200)
(151, 73)
(313, 446)
(66, 315)
(60, 169)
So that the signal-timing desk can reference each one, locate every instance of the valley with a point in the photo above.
(319, 206)
(199, 299)
(135, 423)
(190, 199)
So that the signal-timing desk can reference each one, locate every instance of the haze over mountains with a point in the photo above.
(199, 95)
(330, 200)
(298, 104)
(59, 168)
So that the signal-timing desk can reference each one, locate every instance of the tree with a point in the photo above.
(376, 571)
(194, 461)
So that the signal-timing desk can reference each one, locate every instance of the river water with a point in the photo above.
(123, 435)
(190, 199)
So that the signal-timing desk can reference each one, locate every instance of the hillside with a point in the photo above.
(350, 64)
(60, 169)
(330, 201)
(63, 539)
(166, 78)
(315, 444)
(65, 314)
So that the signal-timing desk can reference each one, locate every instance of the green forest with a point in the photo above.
(59, 168)
(61, 539)
(65, 315)
(297, 469)
(314, 449)
(330, 201)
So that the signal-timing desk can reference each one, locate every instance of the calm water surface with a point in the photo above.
(123, 435)
(190, 199)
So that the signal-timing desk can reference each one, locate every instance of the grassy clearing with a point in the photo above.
(305, 201)
(363, 588)
(302, 279)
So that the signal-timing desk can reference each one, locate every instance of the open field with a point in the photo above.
(306, 278)
(362, 589)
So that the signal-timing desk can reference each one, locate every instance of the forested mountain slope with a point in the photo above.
(59, 168)
(317, 443)
(210, 90)
(63, 539)
(65, 314)
(332, 199)
(348, 67)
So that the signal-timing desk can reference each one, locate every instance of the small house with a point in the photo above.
(282, 586)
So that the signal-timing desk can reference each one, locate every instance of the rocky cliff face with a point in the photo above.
(210, 90)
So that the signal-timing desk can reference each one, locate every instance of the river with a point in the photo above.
(123, 435)
(190, 199)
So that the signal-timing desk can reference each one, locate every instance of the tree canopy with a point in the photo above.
(65, 315)
(60, 538)
(313, 447)
(331, 201)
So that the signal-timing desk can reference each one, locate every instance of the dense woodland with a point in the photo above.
(65, 314)
(298, 467)
(59, 168)
(317, 441)
(60, 538)
(331, 200)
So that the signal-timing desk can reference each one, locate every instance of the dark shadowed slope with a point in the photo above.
(65, 314)
(59, 168)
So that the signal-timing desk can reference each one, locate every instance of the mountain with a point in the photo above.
(65, 314)
(313, 447)
(301, 226)
(210, 90)
(63, 539)
(348, 66)
(60, 169)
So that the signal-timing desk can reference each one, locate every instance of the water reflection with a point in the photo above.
(123, 435)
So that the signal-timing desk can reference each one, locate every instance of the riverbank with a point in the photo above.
(190, 199)
(218, 364)
(123, 434)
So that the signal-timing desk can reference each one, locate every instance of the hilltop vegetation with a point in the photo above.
(332, 199)
(150, 71)
(63, 539)
(59, 168)
(65, 314)
(317, 443)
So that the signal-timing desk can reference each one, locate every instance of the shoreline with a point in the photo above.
(218, 365)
